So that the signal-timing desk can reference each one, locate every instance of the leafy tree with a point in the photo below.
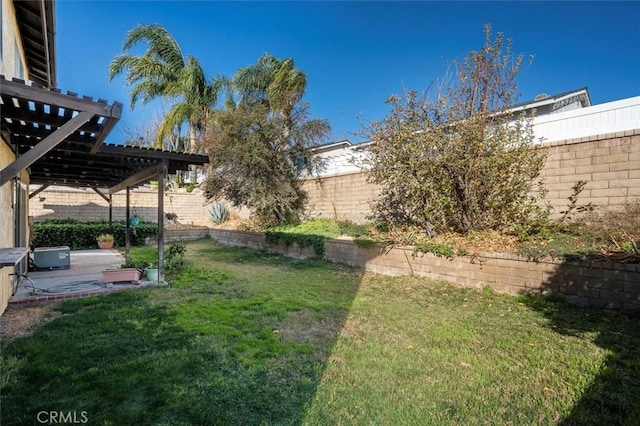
(163, 71)
(464, 160)
(259, 145)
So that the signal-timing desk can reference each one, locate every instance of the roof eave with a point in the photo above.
(38, 17)
(50, 32)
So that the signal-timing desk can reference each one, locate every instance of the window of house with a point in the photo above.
(301, 162)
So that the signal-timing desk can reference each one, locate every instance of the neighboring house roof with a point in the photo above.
(330, 146)
(36, 23)
(557, 102)
(567, 115)
(543, 104)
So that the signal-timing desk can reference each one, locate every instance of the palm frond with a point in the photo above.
(145, 92)
(287, 86)
(160, 44)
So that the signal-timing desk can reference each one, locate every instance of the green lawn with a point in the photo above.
(244, 337)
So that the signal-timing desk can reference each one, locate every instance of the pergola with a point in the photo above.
(59, 139)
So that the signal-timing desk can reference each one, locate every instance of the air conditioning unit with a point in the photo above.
(51, 257)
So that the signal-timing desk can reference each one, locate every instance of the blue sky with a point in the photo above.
(356, 54)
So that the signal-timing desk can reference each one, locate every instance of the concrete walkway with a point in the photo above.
(82, 279)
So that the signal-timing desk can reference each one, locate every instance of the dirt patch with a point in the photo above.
(17, 321)
(304, 327)
(480, 242)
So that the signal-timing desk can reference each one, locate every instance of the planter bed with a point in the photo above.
(132, 275)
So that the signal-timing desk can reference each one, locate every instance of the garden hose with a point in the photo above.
(72, 287)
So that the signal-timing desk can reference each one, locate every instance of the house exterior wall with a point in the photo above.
(7, 222)
(12, 50)
(610, 117)
(6, 226)
(10, 41)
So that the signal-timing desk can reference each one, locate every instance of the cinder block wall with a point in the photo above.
(86, 205)
(609, 163)
(343, 197)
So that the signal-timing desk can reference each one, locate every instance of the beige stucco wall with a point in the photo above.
(6, 226)
(7, 221)
(10, 38)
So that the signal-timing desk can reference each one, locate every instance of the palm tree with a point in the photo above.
(262, 141)
(276, 83)
(164, 71)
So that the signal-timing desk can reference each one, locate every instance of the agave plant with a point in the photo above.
(219, 213)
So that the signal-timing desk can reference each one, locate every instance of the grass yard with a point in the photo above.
(244, 337)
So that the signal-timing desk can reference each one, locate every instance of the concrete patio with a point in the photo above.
(82, 279)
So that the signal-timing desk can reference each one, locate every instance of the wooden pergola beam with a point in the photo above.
(108, 126)
(42, 118)
(151, 153)
(37, 191)
(68, 102)
(140, 177)
(44, 146)
(101, 194)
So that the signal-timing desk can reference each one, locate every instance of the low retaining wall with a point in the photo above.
(182, 234)
(602, 284)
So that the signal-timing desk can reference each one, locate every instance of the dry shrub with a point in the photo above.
(617, 229)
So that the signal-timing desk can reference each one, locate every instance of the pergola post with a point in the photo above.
(109, 201)
(127, 241)
(161, 225)
(111, 213)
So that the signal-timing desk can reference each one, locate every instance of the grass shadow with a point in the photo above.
(613, 398)
(210, 349)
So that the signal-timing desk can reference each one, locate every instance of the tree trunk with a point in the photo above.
(193, 144)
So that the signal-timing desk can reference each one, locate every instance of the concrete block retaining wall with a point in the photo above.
(182, 234)
(602, 284)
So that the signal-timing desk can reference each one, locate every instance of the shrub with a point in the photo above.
(135, 263)
(174, 261)
(303, 240)
(219, 213)
(461, 160)
(440, 250)
(79, 235)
